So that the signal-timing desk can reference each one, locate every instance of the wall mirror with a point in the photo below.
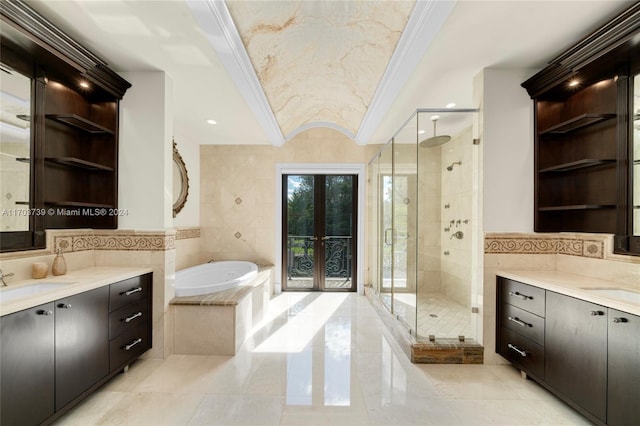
(15, 149)
(180, 181)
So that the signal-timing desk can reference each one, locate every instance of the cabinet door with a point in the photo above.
(82, 343)
(624, 369)
(576, 352)
(27, 367)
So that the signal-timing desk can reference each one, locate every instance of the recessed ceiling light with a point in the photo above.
(84, 84)
(420, 132)
(451, 105)
(574, 83)
(212, 121)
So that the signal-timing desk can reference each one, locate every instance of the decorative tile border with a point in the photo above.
(116, 240)
(187, 233)
(569, 244)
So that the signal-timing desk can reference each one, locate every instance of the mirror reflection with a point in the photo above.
(15, 149)
(636, 156)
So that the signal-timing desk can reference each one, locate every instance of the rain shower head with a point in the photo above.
(435, 140)
(450, 167)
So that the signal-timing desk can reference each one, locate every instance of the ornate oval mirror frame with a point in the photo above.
(180, 181)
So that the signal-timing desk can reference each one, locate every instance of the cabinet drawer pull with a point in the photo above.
(64, 305)
(596, 313)
(132, 317)
(132, 344)
(518, 294)
(515, 348)
(133, 290)
(520, 322)
(43, 312)
(618, 320)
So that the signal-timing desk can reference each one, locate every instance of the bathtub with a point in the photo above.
(213, 277)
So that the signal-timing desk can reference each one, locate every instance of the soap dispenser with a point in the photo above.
(59, 266)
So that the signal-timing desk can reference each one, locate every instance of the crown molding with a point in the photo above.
(423, 25)
(324, 124)
(216, 22)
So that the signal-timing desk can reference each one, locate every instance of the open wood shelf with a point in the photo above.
(576, 207)
(573, 165)
(78, 163)
(78, 204)
(78, 122)
(576, 123)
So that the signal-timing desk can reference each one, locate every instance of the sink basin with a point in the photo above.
(8, 294)
(616, 293)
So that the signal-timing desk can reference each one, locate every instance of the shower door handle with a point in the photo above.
(386, 236)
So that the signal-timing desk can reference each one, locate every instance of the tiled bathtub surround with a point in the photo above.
(219, 323)
(589, 255)
(188, 248)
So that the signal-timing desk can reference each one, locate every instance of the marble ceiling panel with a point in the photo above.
(320, 61)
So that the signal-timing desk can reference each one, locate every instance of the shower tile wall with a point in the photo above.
(457, 185)
(445, 196)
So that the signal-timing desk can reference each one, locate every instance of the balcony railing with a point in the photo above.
(338, 256)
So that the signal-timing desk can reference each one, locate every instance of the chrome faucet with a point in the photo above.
(3, 276)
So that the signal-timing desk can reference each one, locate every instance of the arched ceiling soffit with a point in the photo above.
(319, 61)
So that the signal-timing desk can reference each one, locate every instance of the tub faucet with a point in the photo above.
(3, 276)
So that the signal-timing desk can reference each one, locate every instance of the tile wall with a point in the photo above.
(237, 190)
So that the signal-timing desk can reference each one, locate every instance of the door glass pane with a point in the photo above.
(338, 235)
(386, 226)
(300, 232)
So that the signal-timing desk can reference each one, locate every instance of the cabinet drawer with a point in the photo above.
(128, 317)
(522, 322)
(128, 291)
(128, 346)
(522, 352)
(523, 296)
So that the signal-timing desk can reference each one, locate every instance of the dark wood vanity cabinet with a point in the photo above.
(55, 355)
(129, 320)
(585, 353)
(623, 367)
(82, 343)
(27, 366)
(576, 352)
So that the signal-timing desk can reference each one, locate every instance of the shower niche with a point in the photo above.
(422, 187)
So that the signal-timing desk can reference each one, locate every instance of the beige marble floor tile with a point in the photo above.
(331, 362)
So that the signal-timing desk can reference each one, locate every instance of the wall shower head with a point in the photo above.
(450, 167)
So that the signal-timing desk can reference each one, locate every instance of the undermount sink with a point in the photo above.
(8, 294)
(616, 293)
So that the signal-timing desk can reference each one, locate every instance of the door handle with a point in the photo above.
(386, 235)
(325, 238)
(313, 238)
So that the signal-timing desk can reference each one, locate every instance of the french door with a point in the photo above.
(319, 223)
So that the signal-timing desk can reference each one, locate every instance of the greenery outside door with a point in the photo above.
(319, 232)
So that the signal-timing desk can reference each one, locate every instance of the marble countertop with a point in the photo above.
(76, 282)
(577, 286)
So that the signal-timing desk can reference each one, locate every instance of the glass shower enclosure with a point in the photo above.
(423, 192)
